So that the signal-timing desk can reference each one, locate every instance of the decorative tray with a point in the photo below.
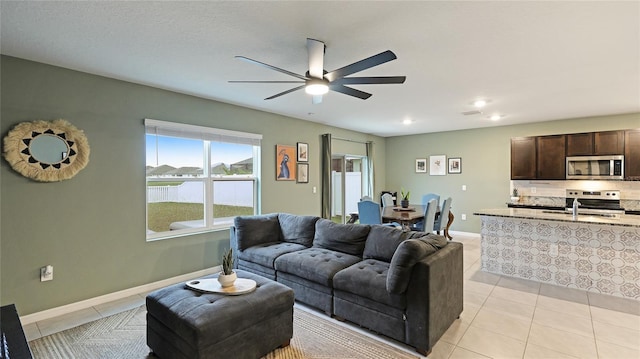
(408, 209)
(211, 285)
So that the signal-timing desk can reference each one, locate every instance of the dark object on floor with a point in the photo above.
(182, 323)
(14, 344)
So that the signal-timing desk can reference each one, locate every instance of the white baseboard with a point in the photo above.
(467, 234)
(145, 288)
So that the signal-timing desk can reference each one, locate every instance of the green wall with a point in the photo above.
(486, 162)
(91, 228)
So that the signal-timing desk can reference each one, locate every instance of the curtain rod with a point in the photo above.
(349, 140)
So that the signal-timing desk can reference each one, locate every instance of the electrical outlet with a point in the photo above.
(315, 189)
(463, 216)
(46, 273)
(533, 190)
(464, 187)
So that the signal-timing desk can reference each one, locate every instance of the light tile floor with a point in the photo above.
(503, 318)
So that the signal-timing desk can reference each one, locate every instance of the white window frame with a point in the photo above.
(208, 135)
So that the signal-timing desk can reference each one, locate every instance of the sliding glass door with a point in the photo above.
(346, 186)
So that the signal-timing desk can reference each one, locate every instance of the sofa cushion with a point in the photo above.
(368, 279)
(254, 230)
(382, 242)
(315, 264)
(265, 254)
(298, 229)
(345, 238)
(407, 255)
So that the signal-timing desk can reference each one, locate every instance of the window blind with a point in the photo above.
(164, 128)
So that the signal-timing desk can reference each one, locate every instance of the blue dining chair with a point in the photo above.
(369, 213)
(426, 225)
(425, 200)
(428, 197)
(441, 222)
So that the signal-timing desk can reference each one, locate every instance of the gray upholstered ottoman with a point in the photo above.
(182, 323)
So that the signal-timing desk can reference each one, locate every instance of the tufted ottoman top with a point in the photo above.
(211, 317)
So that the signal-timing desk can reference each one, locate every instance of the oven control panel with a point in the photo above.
(574, 193)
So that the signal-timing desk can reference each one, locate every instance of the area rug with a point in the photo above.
(123, 336)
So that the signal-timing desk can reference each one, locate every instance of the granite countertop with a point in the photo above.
(627, 220)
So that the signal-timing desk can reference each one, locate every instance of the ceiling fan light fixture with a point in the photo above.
(316, 87)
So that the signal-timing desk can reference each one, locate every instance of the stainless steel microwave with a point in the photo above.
(595, 167)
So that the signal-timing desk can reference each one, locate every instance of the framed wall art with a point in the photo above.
(285, 163)
(437, 166)
(303, 152)
(303, 173)
(455, 165)
(421, 165)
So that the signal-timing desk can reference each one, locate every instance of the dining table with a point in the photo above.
(411, 215)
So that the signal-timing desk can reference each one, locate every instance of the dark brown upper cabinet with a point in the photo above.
(608, 143)
(550, 153)
(595, 143)
(632, 154)
(523, 158)
(580, 144)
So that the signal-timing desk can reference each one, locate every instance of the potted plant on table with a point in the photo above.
(404, 202)
(514, 196)
(227, 277)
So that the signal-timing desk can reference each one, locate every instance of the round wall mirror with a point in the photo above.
(46, 151)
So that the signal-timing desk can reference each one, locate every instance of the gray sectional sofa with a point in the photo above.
(405, 285)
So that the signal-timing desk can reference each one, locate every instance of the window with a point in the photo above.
(198, 178)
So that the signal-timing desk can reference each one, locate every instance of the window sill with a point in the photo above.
(151, 237)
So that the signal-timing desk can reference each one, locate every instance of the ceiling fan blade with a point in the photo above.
(370, 80)
(285, 92)
(350, 91)
(266, 82)
(316, 99)
(315, 49)
(361, 65)
(271, 67)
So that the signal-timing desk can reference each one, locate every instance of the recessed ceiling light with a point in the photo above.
(496, 117)
(406, 122)
(479, 103)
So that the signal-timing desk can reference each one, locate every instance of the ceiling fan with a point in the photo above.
(317, 81)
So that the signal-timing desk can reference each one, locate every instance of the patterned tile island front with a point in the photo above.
(593, 253)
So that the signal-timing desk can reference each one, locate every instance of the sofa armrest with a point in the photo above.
(434, 296)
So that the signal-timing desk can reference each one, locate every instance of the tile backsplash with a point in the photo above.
(552, 193)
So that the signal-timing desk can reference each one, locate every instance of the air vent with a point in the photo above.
(474, 112)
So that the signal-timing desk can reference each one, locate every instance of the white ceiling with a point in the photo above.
(535, 61)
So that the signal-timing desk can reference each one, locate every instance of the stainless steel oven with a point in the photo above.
(604, 203)
(595, 167)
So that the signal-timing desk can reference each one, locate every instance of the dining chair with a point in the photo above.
(369, 213)
(425, 200)
(387, 200)
(441, 222)
(426, 225)
(428, 197)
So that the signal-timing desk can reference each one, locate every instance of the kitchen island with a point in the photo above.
(591, 252)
